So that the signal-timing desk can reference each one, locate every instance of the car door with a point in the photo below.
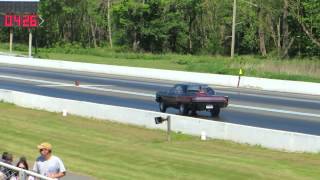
(178, 94)
(168, 96)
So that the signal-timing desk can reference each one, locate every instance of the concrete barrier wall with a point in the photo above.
(274, 139)
(214, 79)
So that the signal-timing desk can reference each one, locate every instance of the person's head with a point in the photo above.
(7, 158)
(4, 155)
(23, 163)
(45, 149)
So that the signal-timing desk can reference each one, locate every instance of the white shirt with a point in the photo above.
(51, 166)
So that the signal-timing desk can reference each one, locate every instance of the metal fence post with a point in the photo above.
(169, 128)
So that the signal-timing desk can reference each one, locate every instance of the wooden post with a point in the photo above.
(11, 40)
(30, 44)
(240, 74)
(239, 81)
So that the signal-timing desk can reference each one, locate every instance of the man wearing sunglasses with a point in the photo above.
(48, 164)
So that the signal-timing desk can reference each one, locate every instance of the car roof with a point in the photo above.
(191, 84)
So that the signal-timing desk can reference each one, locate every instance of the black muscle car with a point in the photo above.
(191, 98)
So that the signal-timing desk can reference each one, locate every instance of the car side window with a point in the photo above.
(172, 90)
(179, 90)
(211, 91)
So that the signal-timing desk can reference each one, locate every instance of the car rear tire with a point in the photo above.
(162, 107)
(183, 109)
(194, 113)
(215, 112)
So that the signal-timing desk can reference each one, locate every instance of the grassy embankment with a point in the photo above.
(292, 69)
(107, 150)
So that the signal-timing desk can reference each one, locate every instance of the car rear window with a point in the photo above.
(193, 88)
(199, 88)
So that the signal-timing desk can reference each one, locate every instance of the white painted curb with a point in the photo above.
(214, 79)
(274, 139)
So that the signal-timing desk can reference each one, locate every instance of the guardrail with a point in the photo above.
(214, 79)
(22, 173)
(274, 139)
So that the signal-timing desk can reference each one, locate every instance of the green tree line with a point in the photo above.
(282, 28)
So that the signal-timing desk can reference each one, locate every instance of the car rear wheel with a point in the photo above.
(183, 109)
(215, 112)
(162, 106)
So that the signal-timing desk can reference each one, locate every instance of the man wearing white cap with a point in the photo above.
(48, 164)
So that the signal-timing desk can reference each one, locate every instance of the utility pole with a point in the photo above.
(233, 28)
(109, 24)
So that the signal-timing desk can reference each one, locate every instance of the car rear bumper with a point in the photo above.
(206, 106)
(216, 101)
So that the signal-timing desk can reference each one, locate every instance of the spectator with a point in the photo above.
(22, 163)
(7, 158)
(48, 164)
(4, 156)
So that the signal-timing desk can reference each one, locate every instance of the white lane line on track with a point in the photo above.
(153, 96)
(81, 86)
(275, 110)
(117, 91)
(268, 96)
(32, 80)
(97, 77)
(71, 85)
